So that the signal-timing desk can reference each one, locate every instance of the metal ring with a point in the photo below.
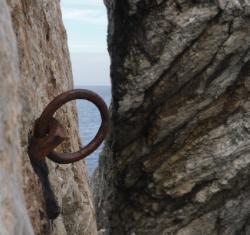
(43, 122)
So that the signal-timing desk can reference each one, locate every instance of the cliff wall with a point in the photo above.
(35, 67)
(177, 159)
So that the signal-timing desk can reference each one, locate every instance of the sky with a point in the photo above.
(86, 25)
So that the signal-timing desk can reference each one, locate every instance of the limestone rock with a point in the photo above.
(177, 159)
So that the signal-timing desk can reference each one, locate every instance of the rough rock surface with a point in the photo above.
(177, 160)
(13, 214)
(44, 71)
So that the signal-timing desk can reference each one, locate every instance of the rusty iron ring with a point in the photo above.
(42, 124)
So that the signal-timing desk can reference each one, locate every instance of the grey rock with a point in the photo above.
(14, 218)
(177, 158)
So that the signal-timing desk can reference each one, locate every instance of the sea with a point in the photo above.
(90, 120)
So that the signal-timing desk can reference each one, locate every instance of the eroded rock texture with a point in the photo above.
(177, 160)
(35, 67)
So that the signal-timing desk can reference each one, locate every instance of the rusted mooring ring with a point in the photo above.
(49, 133)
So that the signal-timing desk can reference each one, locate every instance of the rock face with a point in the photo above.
(13, 214)
(177, 159)
(35, 67)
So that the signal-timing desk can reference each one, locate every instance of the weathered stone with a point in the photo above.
(177, 159)
(13, 214)
(35, 67)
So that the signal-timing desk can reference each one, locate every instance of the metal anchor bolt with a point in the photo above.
(49, 133)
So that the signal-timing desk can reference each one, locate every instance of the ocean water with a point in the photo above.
(89, 122)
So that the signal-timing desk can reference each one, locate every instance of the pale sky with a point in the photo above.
(86, 25)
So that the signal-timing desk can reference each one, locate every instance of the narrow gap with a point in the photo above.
(86, 26)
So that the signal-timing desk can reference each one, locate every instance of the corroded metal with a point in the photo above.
(49, 133)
